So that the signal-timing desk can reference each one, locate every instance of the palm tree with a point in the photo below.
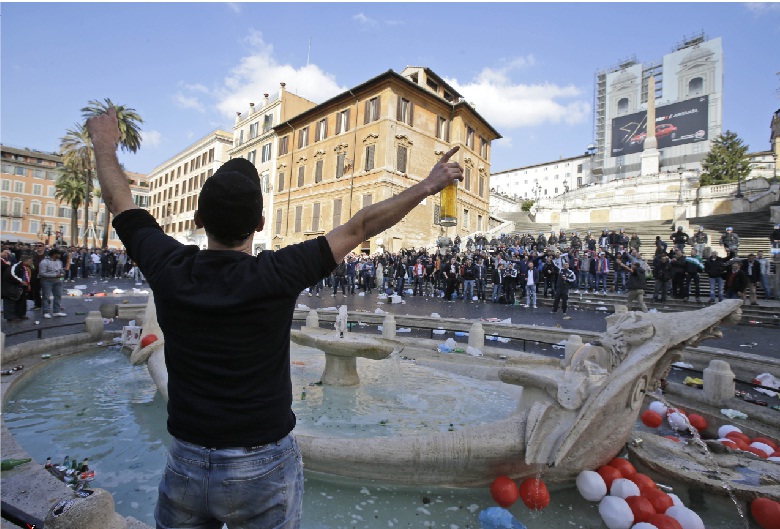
(76, 149)
(129, 135)
(71, 188)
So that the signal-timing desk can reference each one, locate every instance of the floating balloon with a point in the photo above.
(766, 512)
(686, 517)
(697, 421)
(504, 491)
(148, 340)
(739, 435)
(616, 513)
(676, 499)
(626, 469)
(591, 485)
(766, 441)
(678, 421)
(659, 499)
(662, 521)
(676, 410)
(672, 438)
(726, 429)
(623, 488)
(768, 450)
(609, 474)
(775, 459)
(727, 442)
(643, 482)
(658, 407)
(753, 450)
(651, 419)
(643, 525)
(534, 494)
(641, 507)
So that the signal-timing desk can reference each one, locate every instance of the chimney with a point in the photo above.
(238, 117)
(251, 108)
(265, 100)
(282, 85)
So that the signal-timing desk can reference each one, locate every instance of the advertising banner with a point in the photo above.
(675, 124)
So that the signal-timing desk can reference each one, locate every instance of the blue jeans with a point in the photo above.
(468, 289)
(51, 288)
(246, 488)
(716, 288)
(530, 295)
(601, 277)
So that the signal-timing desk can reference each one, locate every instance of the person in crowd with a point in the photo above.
(418, 273)
(51, 274)
(351, 274)
(678, 275)
(662, 272)
(481, 278)
(765, 264)
(774, 239)
(660, 246)
(15, 286)
(39, 255)
(541, 242)
(736, 282)
(715, 266)
(634, 242)
(564, 282)
(549, 276)
(339, 278)
(451, 278)
(752, 269)
(498, 283)
(531, 283)
(680, 239)
(602, 269)
(693, 266)
(469, 275)
(730, 243)
(621, 274)
(400, 277)
(700, 241)
(510, 282)
(637, 283)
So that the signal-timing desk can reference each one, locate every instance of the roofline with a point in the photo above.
(542, 164)
(215, 132)
(31, 152)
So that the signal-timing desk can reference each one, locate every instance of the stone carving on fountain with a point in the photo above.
(569, 418)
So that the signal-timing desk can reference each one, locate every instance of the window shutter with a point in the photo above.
(401, 159)
(367, 113)
(318, 172)
(337, 213)
(301, 176)
(340, 165)
(300, 139)
(398, 115)
(369, 164)
(278, 222)
(446, 131)
(338, 122)
(346, 119)
(411, 113)
(315, 217)
(378, 106)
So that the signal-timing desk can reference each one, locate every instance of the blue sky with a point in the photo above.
(529, 68)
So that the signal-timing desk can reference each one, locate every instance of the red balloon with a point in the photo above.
(672, 438)
(148, 340)
(609, 474)
(669, 411)
(651, 419)
(738, 435)
(534, 494)
(504, 491)
(659, 499)
(662, 521)
(775, 454)
(766, 512)
(641, 507)
(729, 443)
(697, 421)
(766, 441)
(643, 482)
(624, 466)
(753, 450)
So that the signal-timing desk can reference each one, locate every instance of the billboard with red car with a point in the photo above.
(675, 124)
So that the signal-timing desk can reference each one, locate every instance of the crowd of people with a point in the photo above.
(38, 273)
(510, 269)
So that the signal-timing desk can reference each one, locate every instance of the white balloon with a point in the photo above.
(623, 488)
(768, 450)
(676, 499)
(678, 421)
(644, 525)
(687, 518)
(775, 459)
(658, 407)
(616, 513)
(591, 485)
(726, 429)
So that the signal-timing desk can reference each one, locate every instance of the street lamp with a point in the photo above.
(47, 230)
(774, 174)
(679, 196)
(739, 187)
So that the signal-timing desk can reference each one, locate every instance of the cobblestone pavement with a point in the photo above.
(766, 337)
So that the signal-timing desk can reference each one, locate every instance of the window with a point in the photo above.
(322, 130)
(369, 157)
(342, 121)
(268, 122)
(284, 145)
(481, 185)
(35, 226)
(18, 187)
(4, 205)
(253, 128)
(35, 208)
(251, 156)
(372, 110)
(298, 215)
(579, 181)
(337, 212)
(21, 171)
(479, 222)
(318, 171)
(442, 129)
(696, 86)
(240, 142)
(465, 218)
(432, 84)
(315, 217)
(556, 190)
(405, 111)
(622, 105)
(6, 185)
(467, 179)
(469, 137)
(280, 183)
(278, 221)
(37, 189)
(16, 225)
(39, 173)
(303, 137)
(340, 165)
(579, 167)
(401, 158)
(8, 168)
(367, 200)
(266, 152)
(483, 147)
(301, 175)
(64, 212)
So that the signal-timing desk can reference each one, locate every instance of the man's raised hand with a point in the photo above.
(444, 172)
(104, 130)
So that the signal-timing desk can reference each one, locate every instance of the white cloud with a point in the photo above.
(505, 142)
(195, 87)
(151, 138)
(505, 103)
(763, 8)
(235, 7)
(188, 102)
(259, 73)
(363, 19)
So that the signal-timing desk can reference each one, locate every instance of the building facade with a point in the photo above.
(175, 184)
(31, 212)
(254, 138)
(542, 180)
(688, 108)
(372, 142)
